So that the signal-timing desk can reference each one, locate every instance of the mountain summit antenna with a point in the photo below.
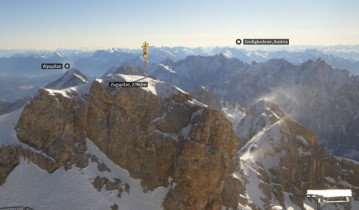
(145, 47)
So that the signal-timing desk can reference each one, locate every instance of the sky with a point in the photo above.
(74, 24)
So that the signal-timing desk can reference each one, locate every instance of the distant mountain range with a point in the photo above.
(96, 63)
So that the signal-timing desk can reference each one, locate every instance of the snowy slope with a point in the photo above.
(248, 160)
(28, 185)
(31, 186)
(275, 163)
(156, 87)
(7, 131)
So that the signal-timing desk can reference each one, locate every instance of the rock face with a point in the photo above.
(203, 163)
(158, 133)
(230, 109)
(71, 78)
(203, 95)
(280, 161)
(50, 124)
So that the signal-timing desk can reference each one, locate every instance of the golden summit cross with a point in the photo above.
(145, 48)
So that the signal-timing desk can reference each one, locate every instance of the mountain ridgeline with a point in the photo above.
(202, 150)
(315, 94)
(96, 63)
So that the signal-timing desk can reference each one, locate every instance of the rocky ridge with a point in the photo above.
(156, 133)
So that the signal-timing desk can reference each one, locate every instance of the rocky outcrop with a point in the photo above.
(99, 183)
(203, 95)
(50, 124)
(202, 164)
(155, 133)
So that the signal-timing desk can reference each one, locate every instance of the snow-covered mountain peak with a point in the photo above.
(60, 54)
(266, 107)
(155, 87)
(71, 78)
(228, 54)
(258, 116)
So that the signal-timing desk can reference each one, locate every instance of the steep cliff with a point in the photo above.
(158, 133)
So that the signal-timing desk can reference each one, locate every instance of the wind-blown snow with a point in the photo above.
(258, 116)
(233, 113)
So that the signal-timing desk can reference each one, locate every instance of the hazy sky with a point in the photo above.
(51, 24)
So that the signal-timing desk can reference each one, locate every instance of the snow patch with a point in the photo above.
(156, 87)
(166, 68)
(159, 118)
(330, 179)
(166, 135)
(302, 139)
(186, 130)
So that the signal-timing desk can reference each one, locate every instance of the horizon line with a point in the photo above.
(244, 47)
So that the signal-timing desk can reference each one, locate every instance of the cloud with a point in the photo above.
(26, 87)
